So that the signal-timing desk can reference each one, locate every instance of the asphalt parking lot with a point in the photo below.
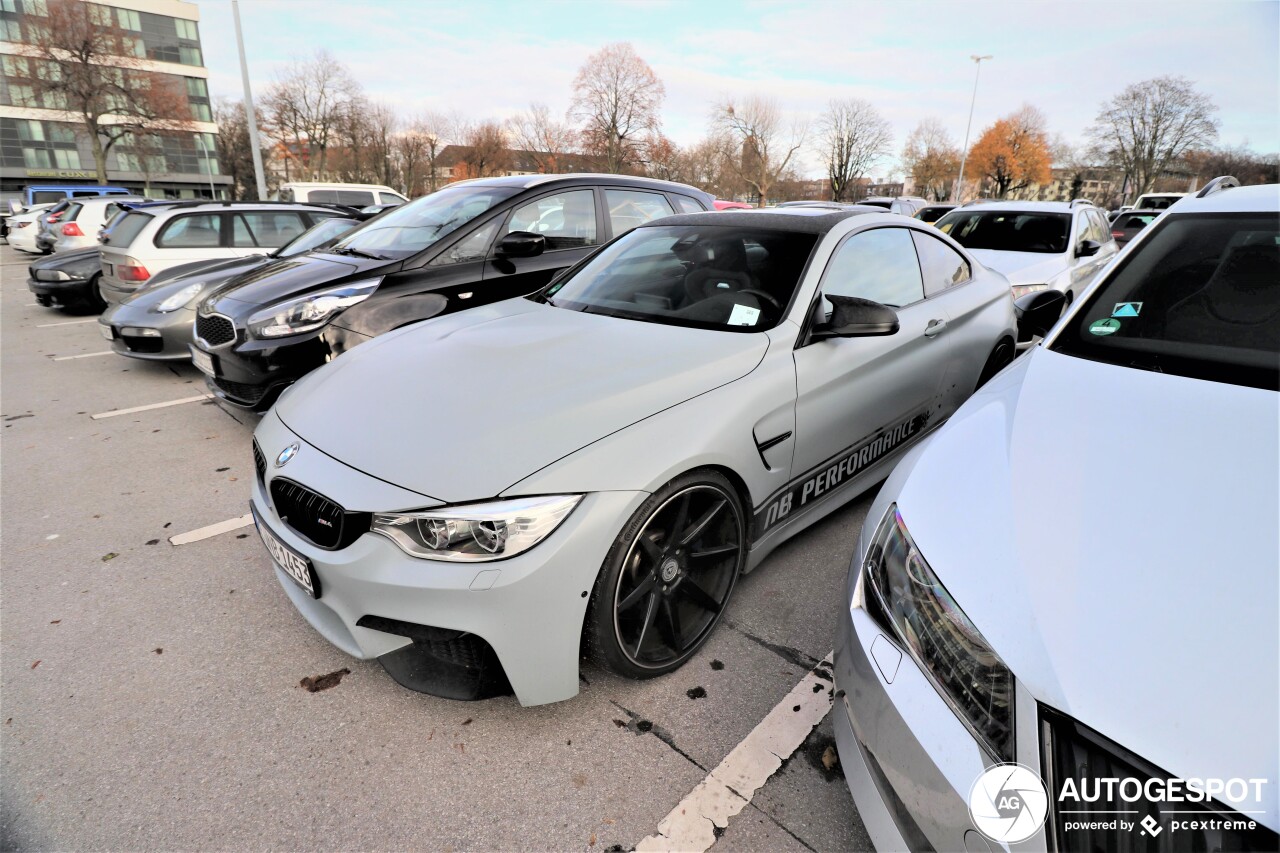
(151, 692)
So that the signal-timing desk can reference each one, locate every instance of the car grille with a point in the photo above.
(239, 390)
(316, 518)
(1074, 751)
(259, 462)
(135, 343)
(214, 329)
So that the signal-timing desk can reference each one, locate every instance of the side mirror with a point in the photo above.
(520, 244)
(852, 317)
(1088, 249)
(1038, 311)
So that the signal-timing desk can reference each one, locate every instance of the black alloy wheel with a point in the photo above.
(668, 577)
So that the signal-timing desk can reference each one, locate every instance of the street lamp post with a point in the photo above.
(250, 111)
(955, 193)
(204, 150)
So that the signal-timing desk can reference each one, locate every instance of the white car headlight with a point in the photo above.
(907, 598)
(310, 312)
(1024, 289)
(476, 532)
(179, 299)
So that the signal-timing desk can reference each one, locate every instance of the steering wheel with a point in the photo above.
(760, 294)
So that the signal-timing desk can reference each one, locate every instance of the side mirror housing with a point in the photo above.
(852, 317)
(520, 244)
(1037, 312)
(1088, 249)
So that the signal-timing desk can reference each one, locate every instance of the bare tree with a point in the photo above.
(761, 147)
(1240, 162)
(931, 158)
(1151, 124)
(616, 96)
(235, 156)
(854, 136)
(546, 139)
(485, 152)
(90, 66)
(307, 104)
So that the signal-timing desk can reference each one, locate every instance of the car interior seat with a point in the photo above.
(720, 267)
(1239, 299)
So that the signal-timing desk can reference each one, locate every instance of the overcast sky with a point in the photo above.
(909, 59)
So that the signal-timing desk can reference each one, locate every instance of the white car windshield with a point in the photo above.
(736, 279)
(1008, 231)
(415, 226)
(1200, 298)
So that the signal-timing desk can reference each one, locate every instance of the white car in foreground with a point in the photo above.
(1064, 606)
(495, 491)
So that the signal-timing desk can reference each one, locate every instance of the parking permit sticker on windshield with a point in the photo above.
(1108, 326)
(1127, 309)
(743, 316)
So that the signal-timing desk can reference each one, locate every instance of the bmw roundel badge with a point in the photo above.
(287, 454)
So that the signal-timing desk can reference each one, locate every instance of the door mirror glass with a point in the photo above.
(852, 317)
(1088, 249)
(1037, 312)
(520, 244)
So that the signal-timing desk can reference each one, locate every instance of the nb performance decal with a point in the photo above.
(839, 470)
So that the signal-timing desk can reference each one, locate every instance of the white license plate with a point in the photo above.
(106, 332)
(203, 361)
(295, 566)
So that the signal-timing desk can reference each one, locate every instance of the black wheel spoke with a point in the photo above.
(714, 551)
(697, 595)
(651, 610)
(633, 597)
(682, 516)
(695, 530)
(670, 625)
(651, 549)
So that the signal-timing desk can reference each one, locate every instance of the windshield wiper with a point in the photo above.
(359, 253)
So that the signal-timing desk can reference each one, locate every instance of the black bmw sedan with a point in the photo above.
(469, 244)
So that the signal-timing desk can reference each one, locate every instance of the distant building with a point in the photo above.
(892, 190)
(454, 163)
(42, 143)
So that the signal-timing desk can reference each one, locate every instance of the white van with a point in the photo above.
(352, 195)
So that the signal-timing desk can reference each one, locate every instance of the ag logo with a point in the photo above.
(1008, 803)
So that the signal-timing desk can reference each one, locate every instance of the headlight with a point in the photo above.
(476, 532)
(1024, 289)
(310, 312)
(56, 275)
(179, 299)
(964, 669)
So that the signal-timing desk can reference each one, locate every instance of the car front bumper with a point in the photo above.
(251, 373)
(171, 344)
(529, 609)
(68, 292)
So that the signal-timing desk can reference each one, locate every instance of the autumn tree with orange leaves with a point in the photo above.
(1013, 153)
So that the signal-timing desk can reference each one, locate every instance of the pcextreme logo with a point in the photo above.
(1008, 803)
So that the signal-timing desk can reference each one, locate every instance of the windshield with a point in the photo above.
(317, 235)
(412, 227)
(734, 279)
(1156, 202)
(1008, 231)
(1200, 298)
(932, 214)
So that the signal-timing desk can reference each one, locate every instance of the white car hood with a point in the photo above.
(1022, 267)
(462, 407)
(1116, 543)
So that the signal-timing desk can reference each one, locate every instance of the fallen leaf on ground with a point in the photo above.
(110, 556)
(591, 842)
(36, 664)
(55, 621)
(467, 721)
(158, 650)
(314, 684)
(829, 757)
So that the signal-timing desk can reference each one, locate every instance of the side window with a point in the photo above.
(197, 231)
(567, 220)
(686, 204)
(321, 196)
(389, 198)
(265, 229)
(631, 208)
(473, 247)
(941, 265)
(1100, 227)
(1084, 229)
(354, 198)
(879, 265)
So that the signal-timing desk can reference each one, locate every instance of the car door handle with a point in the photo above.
(934, 327)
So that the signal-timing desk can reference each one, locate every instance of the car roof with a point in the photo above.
(1031, 206)
(1259, 198)
(529, 181)
(188, 204)
(802, 220)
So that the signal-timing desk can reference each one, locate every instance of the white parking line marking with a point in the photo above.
(728, 789)
(119, 412)
(67, 323)
(84, 355)
(212, 530)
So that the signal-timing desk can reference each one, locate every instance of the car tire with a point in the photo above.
(93, 301)
(660, 594)
(1000, 358)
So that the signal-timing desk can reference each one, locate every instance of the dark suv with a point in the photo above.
(469, 244)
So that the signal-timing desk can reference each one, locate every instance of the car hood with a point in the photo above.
(147, 298)
(281, 278)
(1022, 267)
(462, 407)
(84, 261)
(1112, 533)
(221, 268)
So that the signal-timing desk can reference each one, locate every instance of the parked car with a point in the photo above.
(908, 205)
(351, 195)
(1157, 201)
(151, 239)
(53, 193)
(690, 396)
(157, 322)
(1127, 225)
(83, 220)
(1038, 245)
(68, 280)
(722, 204)
(1022, 586)
(45, 223)
(21, 228)
(877, 201)
(471, 243)
(824, 205)
(934, 212)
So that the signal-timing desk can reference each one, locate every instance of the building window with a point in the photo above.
(31, 131)
(10, 6)
(100, 15)
(66, 159)
(10, 30)
(22, 96)
(187, 29)
(196, 88)
(189, 56)
(15, 66)
(200, 112)
(35, 7)
(128, 20)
